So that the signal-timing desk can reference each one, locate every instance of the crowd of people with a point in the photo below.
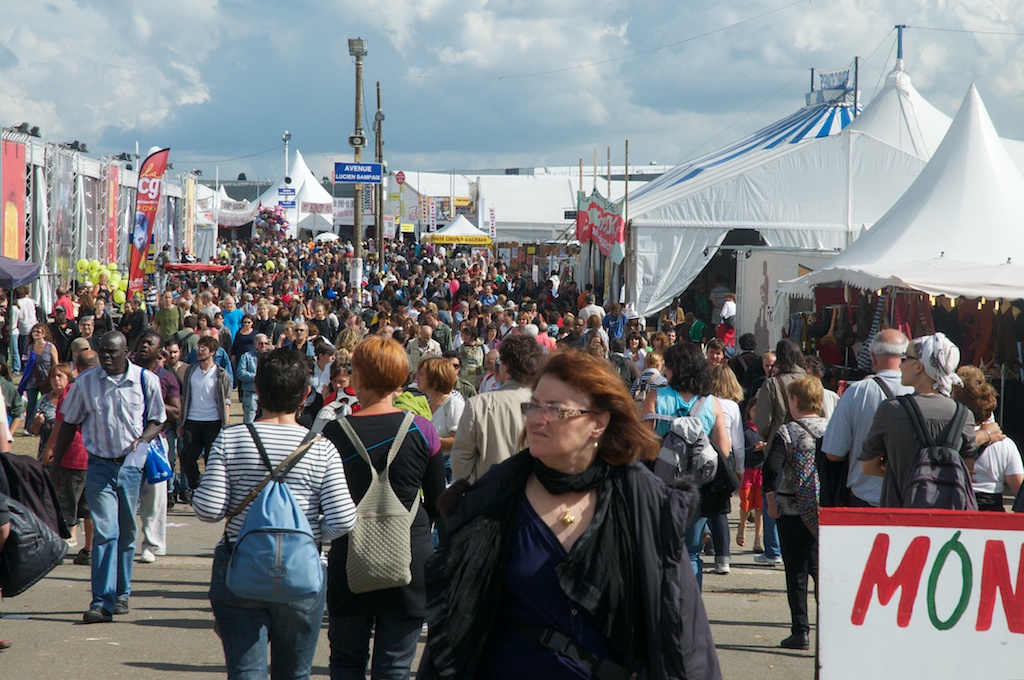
(517, 421)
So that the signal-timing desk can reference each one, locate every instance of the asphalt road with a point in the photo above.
(169, 631)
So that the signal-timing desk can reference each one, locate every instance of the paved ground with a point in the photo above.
(169, 631)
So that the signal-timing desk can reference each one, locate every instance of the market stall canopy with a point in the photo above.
(14, 273)
(459, 231)
(197, 267)
(967, 204)
(326, 236)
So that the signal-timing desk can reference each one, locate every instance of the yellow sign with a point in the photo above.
(483, 240)
(408, 228)
(394, 196)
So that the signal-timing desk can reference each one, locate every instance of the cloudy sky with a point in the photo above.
(474, 83)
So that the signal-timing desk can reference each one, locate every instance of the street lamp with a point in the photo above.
(357, 48)
(286, 137)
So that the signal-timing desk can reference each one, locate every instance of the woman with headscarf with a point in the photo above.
(891, 447)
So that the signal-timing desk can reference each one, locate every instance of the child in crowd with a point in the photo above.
(750, 489)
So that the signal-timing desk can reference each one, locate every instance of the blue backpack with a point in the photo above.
(275, 557)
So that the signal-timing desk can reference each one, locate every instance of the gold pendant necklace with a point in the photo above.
(567, 517)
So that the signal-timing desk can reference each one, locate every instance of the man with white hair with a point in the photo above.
(855, 411)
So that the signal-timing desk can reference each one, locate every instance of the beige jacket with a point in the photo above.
(489, 431)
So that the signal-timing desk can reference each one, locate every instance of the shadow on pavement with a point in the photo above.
(176, 667)
(774, 651)
(171, 594)
(763, 624)
(176, 623)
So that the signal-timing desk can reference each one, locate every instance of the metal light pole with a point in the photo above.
(357, 48)
(378, 138)
(286, 137)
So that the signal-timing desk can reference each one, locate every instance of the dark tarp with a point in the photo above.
(14, 273)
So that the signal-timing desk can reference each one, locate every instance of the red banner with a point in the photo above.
(113, 189)
(13, 188)
(599, 220)
(146, 204)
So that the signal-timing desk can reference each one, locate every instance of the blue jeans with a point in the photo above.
(247, 626)
(249, 406)
(113, 494)
(771, 533)
(694, 536)
(394, 646)
(15, 352)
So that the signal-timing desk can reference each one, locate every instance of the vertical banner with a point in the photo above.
(433, 215)
(61, 177)
(146, 205)
(492, 224)
(13, 188)
(389, 227)
(110, 212)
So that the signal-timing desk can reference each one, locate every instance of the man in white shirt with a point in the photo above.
(205, 399)
(851, 420)
(591, 309)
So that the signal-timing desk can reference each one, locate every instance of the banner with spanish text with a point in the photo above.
(13, 173)
(146, 204)
(930, 593)
(600, 221)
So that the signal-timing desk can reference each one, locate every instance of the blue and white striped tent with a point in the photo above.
(809, 182)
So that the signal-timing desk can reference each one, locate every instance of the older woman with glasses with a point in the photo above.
(567, 560)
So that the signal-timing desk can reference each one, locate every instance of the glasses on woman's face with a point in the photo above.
(552, 412)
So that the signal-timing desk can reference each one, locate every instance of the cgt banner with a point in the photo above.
(146, 204)
(921, 593)
(599, 220)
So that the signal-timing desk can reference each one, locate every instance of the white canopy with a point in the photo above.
(218, 208)
(801, 184)
(314, 206)
(459, 230)
(960, 218)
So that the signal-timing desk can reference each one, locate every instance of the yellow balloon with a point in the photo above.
(82, 265)
(95, 277)
(122, 285)
(94, 266)
(269, 265)
(112, 267)
(119, 296)
(113, 278)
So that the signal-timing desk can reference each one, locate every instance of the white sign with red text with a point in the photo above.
(921, 593)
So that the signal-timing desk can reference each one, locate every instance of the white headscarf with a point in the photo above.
(940, 359)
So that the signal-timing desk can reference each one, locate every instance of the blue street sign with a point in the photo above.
(286, 204)
(286, 191)
(358, 173)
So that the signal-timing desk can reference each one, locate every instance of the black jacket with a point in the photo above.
(464, 579)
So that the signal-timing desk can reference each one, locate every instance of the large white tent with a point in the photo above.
(956, 231)
(801, 183)
(313, 210)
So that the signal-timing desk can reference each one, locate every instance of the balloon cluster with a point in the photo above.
(91, 271)
(272, 221)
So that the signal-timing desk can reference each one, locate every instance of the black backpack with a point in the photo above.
(940, 478)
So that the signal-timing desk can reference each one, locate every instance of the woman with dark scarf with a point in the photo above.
(568, 560)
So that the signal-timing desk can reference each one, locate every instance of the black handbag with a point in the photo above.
(31, 552)
(726, 481)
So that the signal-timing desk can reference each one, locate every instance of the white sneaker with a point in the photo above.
(147, 556)
(764, 559)
(72, 542)
(721, 567)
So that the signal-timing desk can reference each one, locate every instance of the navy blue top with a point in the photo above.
(532, 596)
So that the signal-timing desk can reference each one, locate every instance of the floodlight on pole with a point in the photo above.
(357, 48)
(286, 137)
